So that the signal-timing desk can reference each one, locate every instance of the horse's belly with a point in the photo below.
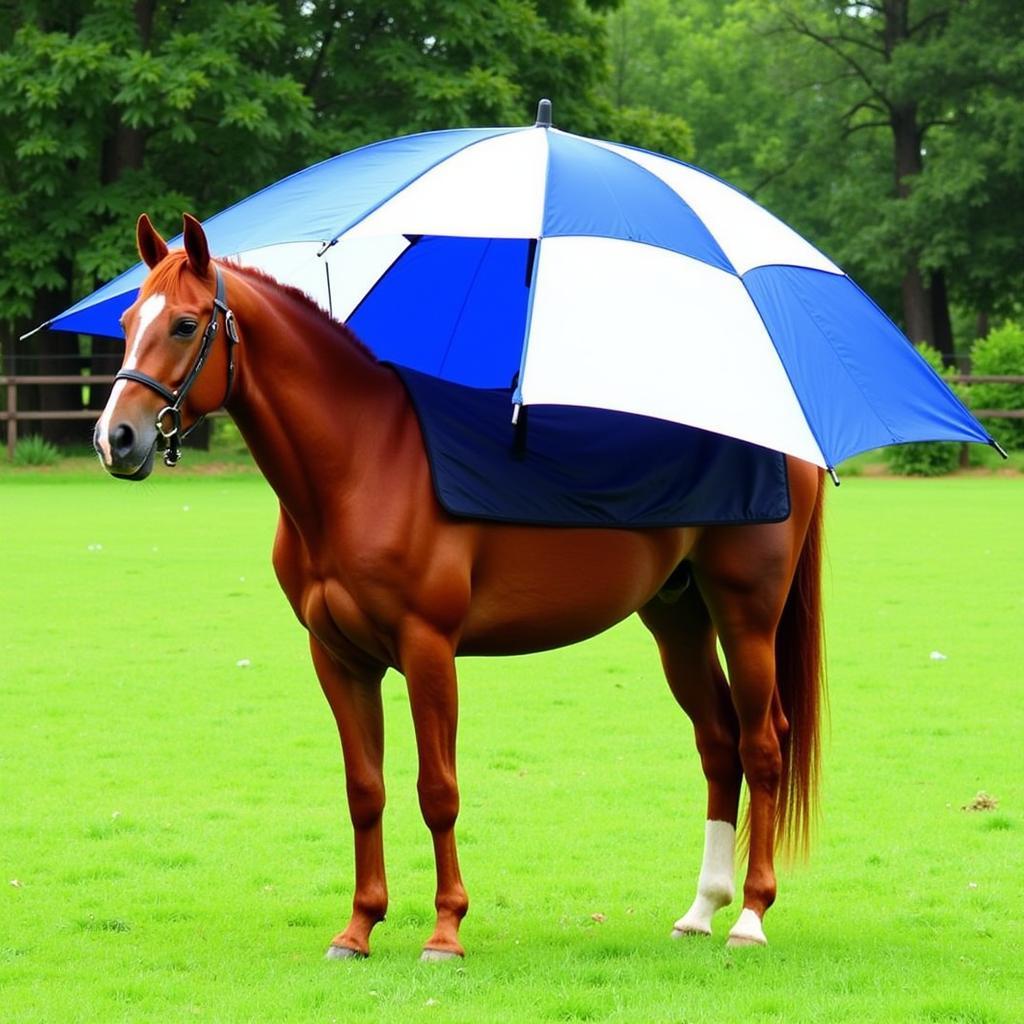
(538, 589)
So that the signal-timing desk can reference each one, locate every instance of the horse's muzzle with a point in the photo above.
(126, 455)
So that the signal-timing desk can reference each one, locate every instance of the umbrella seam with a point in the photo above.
(895, 434)
(925, 362)
(816, 320)
(727, 263)
(785, 370)
(517, 392)
(734, 188)
(380, 277)
(497, 132)
(416, 177)
(462, 308)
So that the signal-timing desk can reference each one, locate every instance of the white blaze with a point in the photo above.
(148, 312)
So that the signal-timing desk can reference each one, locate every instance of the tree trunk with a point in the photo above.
(942, 325)
(917, 301)
(917, 307)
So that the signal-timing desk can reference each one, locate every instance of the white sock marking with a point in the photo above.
(748, 930)
(715, 887)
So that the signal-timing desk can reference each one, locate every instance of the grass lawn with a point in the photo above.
(175, 845)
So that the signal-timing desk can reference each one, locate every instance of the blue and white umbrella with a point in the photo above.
(579, 272)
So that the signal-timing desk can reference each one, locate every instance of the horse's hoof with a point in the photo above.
(690, 931)
(434, 956)
(747, 931)
(344, 953)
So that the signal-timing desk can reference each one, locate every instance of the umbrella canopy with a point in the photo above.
(579, 272)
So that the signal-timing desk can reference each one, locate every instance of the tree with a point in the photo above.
(889, 132)
(926, 72)
(110, 107)
(376, 70)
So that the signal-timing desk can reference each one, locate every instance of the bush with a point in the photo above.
(1002, 352)
(926, 458)
(34, 451)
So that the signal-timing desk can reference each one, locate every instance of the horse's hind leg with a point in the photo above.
(745, 577)
(686, 640)
(355, 700)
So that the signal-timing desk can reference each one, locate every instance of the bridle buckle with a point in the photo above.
(161, 416)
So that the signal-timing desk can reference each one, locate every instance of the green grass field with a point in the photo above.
(175, 845)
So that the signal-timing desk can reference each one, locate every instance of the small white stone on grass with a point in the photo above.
(938, 656)
(243, 663)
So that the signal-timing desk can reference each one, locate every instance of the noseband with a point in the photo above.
(175, 399)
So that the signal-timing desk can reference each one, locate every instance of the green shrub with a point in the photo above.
(34, 451)
(1002, 352)
(226, 437)
(926, 458)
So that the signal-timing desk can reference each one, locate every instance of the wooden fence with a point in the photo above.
(12, 416)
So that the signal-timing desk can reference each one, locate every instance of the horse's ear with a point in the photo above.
(196, 246)
(152, 248)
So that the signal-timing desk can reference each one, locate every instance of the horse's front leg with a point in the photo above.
(354, 696)
(428, 663)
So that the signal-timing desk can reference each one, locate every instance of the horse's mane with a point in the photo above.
(170, 270)
(318, 312)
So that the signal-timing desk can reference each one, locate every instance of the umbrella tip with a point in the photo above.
(543, 114)
(36, 330)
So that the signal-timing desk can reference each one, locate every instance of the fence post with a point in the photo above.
(12, 423)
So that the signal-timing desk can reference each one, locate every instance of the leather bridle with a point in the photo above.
(175, 399)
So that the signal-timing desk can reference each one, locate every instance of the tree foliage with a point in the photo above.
(112, 107)
(1001, 354)
(889, 131)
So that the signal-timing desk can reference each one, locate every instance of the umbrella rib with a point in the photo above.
(462, 308)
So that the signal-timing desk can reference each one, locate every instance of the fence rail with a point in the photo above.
(12, 416)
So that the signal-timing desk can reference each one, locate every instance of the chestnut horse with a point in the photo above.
(381, 577)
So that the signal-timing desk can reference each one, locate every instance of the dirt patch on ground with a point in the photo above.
(982, 802)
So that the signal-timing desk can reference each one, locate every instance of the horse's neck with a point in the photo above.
(310, 403)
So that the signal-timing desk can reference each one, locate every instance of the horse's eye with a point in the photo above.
(185, 328)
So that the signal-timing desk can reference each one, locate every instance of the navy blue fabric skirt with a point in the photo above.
(570, 466)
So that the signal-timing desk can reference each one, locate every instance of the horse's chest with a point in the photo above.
(333, 615)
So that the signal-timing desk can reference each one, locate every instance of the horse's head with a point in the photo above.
(173, 372)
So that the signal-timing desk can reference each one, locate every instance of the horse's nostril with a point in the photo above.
(122, 439)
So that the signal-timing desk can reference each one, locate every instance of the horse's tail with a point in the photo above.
(800, 682)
